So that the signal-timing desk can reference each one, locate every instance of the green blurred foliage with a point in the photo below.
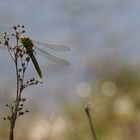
(115, 116)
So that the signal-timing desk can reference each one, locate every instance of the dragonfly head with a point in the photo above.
(27, 42)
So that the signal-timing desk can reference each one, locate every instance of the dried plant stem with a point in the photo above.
(21, 58)
(14, 112)
(87, 110)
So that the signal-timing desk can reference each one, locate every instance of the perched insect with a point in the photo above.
(28, 44)
(36, 47)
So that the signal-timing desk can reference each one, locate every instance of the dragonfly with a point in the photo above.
(42, 49)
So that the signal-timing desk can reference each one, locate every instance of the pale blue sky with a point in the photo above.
(91, 28)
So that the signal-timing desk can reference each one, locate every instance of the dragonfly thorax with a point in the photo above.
(27, 42)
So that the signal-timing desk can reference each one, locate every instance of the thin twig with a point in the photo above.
(87, 110)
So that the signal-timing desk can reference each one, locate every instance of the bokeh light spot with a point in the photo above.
(124, 106)
(83, 89)
(109, 88)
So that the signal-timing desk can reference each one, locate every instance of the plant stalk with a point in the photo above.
(87, 110)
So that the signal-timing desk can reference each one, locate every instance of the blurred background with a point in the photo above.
(104, 70)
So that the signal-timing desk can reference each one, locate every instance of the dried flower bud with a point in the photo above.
(20, 70)
(31, 80)
(23, 99)
(28, 59)
(4, 118)
(36, 82)
(21, 113)
(23, 64)
(14, 27)
(6, 105)
(21, 104)
(23, 31)
(27, 111)
(21, 55)
(6, 43)
(20, 108)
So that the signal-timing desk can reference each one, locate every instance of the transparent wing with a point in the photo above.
(51, 46)
(52, 57)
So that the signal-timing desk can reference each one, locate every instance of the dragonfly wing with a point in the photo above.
(51, 46)
(52, 57)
